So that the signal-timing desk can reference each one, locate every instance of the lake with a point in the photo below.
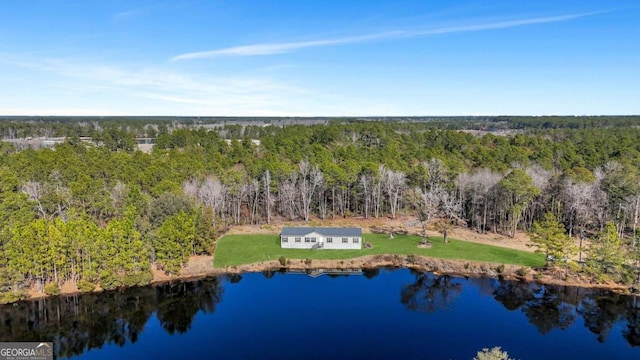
(381, 314)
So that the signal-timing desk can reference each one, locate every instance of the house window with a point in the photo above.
(329, 240)
(285, 239)
(356, 240)
(313, 239)
(345, 240)
(307, 239)
(298, 239)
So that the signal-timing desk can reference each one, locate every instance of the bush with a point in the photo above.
(523, 271)
(500, 269)
(492, 354)
(139, 279)
(110, 281)
(12, 296)
(282, 260)
(412, 259)
(86, 286)
(574, 266)
(537, 276)
(307, 261)
(52, 289)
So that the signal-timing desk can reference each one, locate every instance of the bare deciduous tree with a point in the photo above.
(268, 202)
(394, 183)
(479, 188)
(309, 179)
(287, 193)
(210, 193)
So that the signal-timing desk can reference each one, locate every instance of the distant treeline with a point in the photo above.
(13, 127)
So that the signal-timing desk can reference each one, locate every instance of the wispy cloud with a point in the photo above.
(123, 15)
(145, 90)
(278, 48)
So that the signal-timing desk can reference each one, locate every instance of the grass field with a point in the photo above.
(246, 249)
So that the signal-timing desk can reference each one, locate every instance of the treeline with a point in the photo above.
(102, 214)
(21, 127)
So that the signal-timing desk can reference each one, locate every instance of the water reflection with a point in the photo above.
(632, 332)
(179, 303)
(547, 307)
(430, 293)
(79, 323)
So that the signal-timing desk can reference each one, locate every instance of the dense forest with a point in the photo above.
(95, 209)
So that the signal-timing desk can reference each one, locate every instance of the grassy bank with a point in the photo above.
(235, 250)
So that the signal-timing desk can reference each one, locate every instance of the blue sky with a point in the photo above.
(319, 58)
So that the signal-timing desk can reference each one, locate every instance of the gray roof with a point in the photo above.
(326, 231)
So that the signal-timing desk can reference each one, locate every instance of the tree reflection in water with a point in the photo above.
(632, 331)
(430, 293)
(602, 310)
(547, 307)
(79, 323)
(179, 303)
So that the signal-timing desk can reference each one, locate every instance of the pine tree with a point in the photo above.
(548, 237)
(605, 255)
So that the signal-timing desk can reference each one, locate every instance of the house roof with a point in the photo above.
(326, 231)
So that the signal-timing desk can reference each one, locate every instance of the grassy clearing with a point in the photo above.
(246, 249)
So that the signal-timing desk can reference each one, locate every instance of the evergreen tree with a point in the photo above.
(548, 237)
(605, 255)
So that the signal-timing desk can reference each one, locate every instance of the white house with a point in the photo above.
(321, 238)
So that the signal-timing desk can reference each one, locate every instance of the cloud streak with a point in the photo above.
(285, 47)
(147, 90)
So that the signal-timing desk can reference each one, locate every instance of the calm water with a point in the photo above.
(385, 314)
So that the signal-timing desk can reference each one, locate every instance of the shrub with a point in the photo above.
(537, 276)
(492, 354)
(307, 261)
(500, 269)
(523, 271)
(412, 259)
(110, 281)
(86, 286)
(52, 289)
(282, 260)
(139, 279)
(12, 296)
(574, 266)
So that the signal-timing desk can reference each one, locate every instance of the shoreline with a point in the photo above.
(437, 266)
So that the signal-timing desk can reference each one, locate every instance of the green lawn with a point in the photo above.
(246, 249)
